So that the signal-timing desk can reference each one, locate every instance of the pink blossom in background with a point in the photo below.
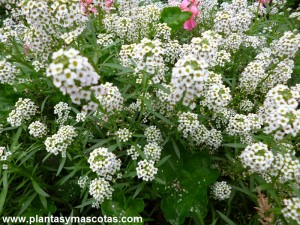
(190, 6)
(85, 7)
(264, 1)
(109, 3)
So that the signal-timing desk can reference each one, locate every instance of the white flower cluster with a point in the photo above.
(222, 57)
(80, 117)
(174, 2)
(189, 125)
(246, 105)
(258, 7)
(126, 6)
(100, 189)
(37, 129)
(278, 75)
(146, 170)
(153, 134)
(24, 110)
(145, 56)
(172, 51)
(205, 48)
(46, 19)
(233, 18)
(72, 74)
(133, 23)
(82, 181)
(8, 72)
(285, 167)
(257, 157)
(266, 71)
(104, 163)
(124, 134)
(67, 13)
(279, 112)
(105, 39)
(60, 141)
(109, 97)
(232, 42)
(1, 150)
(205, 7)
(216, 96)
(62, 110)
(133, 152)
(214, 139)
(163, 32)
(287, 45)
(152, 151)
(255, 42)
(188, 77)
(252, 75)
(221, 190)
(292, 209)
(240, 124)
(3, 157)
(295, 15)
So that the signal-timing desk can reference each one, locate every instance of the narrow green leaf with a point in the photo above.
(38, 189)
(43, 201)
(88, 202)
(176, 149)
(243, 190)
(4, 190)
(99, 144)
(163, 160)
(139, 189)
(129, 174)
(167, 121)
(160, 181)
(16, 139)
(44, 102)
(117, 66)
(235, 145)
(27, 203)
(226, 219)
(61, 165)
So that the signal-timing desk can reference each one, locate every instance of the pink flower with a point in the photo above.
(264, 1)
(109, 3)
(190, 6)
(85, 7)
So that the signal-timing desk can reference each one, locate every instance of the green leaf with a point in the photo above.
(167, 121)
(44, 102)
(235, 145)
(139, 189)
(16, 139)
(226, 219)
(163, 160)
(87, 202)
(99, 144)
(174, 17)
(176, 149)
(43, 201)
(61, 165)
(39, 190)
(68, 191)
(119, 204)
(27, 203)
(187, 180)
(158, 180)
(4, 190)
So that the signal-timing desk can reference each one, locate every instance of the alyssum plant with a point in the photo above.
(188, 110)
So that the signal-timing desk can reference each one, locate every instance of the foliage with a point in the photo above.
(117, 110)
